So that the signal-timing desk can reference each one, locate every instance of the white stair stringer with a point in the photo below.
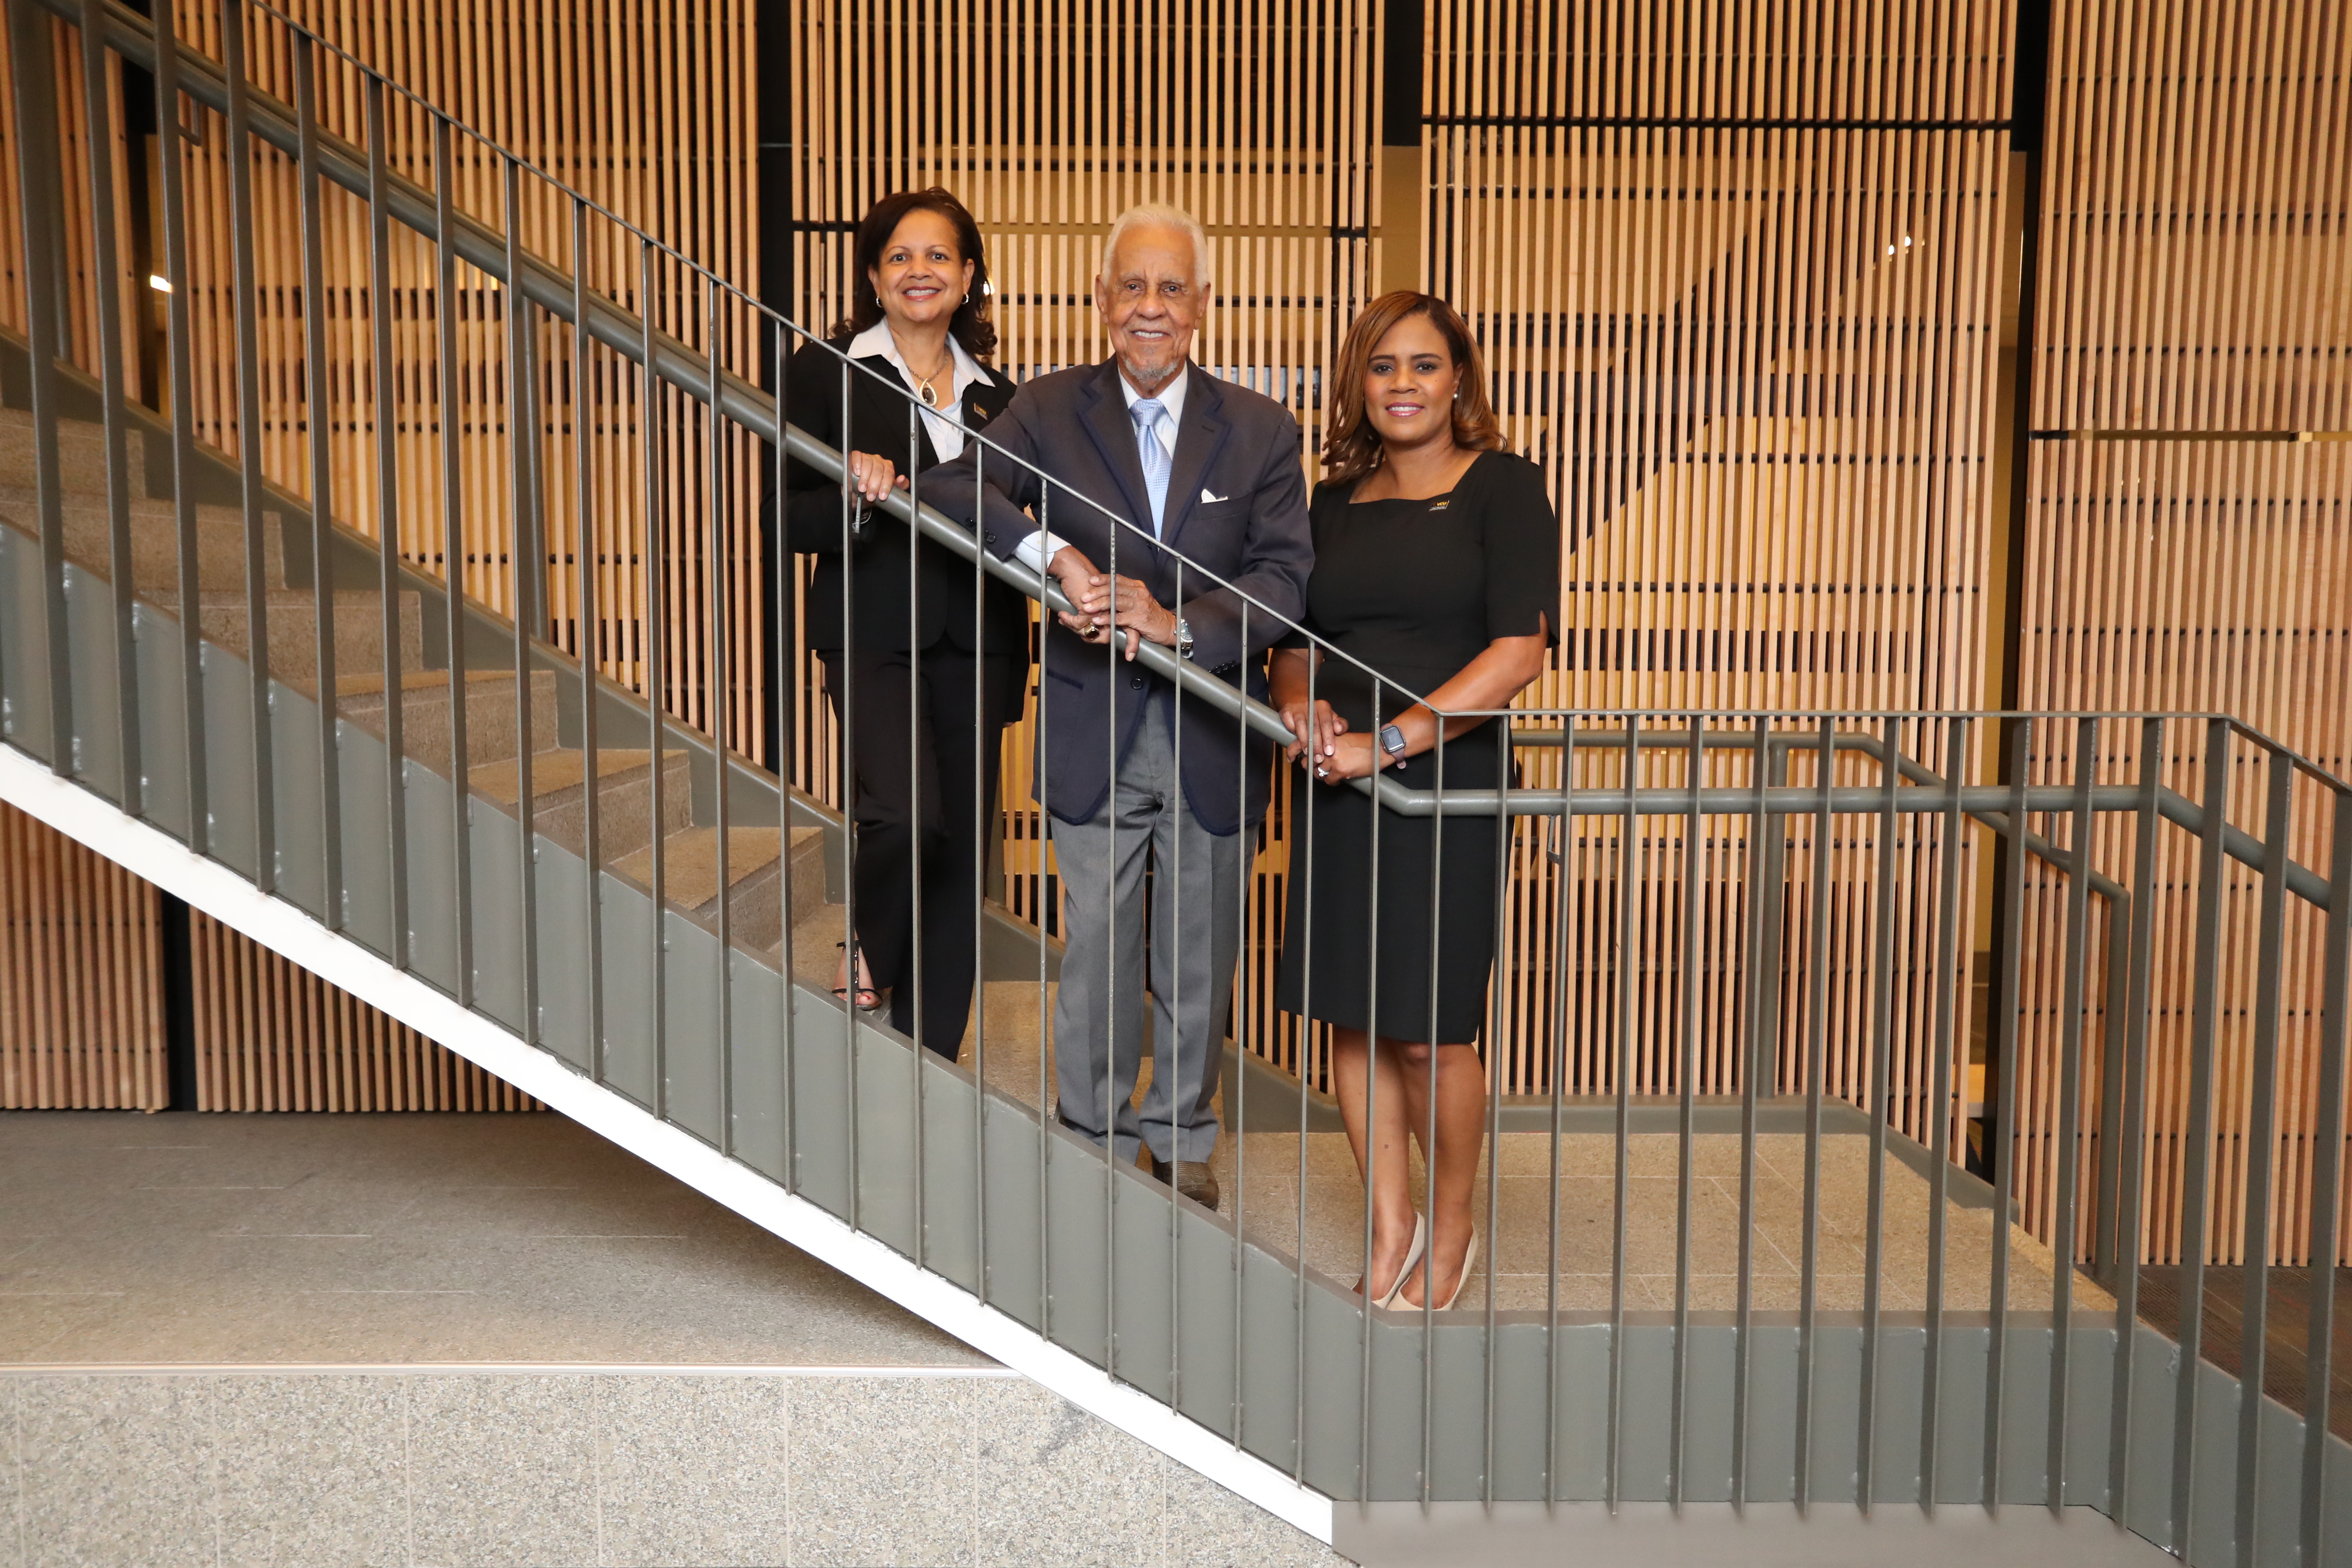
(148, 852)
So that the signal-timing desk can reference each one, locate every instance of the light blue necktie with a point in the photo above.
(1157, 464)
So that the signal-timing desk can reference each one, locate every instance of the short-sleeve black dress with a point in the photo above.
(1414, 589)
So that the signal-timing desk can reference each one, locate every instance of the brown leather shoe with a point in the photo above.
(1193, 1178)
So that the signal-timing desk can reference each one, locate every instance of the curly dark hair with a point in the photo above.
(971, 325)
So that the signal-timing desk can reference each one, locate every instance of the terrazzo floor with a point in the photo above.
(189, 1238)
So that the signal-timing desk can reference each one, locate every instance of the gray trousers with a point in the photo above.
(1195, 938)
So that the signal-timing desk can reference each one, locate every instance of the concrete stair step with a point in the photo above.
(292, 618)
(755, 879)
(491, 727)
(558, 793)
(81, 453)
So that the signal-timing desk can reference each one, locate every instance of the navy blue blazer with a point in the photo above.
(1236, 507)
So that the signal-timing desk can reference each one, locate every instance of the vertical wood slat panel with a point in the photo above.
(81, 1011)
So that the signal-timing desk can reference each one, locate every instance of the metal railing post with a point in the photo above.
(1817, 1040)
(2327, 1189)
(588, 642)
(522, 447)
(655, 654)
(1882, 1057)
(247, 296)
(2198, 1178)
(173, 202)
(2010, 928)
(387, 510)
(2075, 999)
(34, 67)
(453, 551)
(722, 715)
(2133, 1154)
(104, 268)
(2262, 1151)
(1948, 968)
(317, 380)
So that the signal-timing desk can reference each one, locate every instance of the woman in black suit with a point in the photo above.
(1437, 575)
(930, 677)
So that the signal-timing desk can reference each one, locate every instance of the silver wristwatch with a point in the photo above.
(1183, 638)
(1392, 741)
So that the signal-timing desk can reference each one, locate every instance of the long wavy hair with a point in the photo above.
(970, 326)
(1351, 448)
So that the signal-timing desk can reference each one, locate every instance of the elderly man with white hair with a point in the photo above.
(1173, 510)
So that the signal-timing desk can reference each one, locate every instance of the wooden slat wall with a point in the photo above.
(271, 1036)
(2195, 237)
(1757, 363)
(82, 1005)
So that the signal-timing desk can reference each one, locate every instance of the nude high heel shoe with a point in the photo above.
(1469, 1261)
(1411, 1257)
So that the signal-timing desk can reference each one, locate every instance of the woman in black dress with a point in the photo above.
(933, 682)
(1437, 566)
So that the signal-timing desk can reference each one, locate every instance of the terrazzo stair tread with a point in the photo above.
(81, 453)
(155, 542)
(425, 713)
(623, 798)
(755, 877)
(292, 619)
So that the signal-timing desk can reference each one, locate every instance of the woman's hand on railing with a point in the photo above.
(1319, 729)
(874, 477)
(1351, 757)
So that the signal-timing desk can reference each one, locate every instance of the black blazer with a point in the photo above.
(879, 424)
(1236, 507)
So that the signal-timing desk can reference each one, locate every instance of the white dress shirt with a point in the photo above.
(941, 424)
(1034, 549)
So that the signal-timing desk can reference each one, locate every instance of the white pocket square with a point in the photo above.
(1208, 499)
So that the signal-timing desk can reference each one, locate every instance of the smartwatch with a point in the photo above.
(1183, 638)
(1392, 741)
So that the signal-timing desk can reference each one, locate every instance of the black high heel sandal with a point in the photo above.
(869, 999)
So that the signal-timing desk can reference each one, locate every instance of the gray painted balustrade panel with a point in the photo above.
(97, 694)
(162, 721)
(23, 650)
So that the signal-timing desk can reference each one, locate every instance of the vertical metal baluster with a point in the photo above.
(1240, 1045)
(1176, 1012)
(2070, 1106)
(1685, 1117)
(2126, 1222)
(2008, 928)
(1560, 1014)
(1629, 982)
(1503, 826)
(1048, 914)
(115, 416)
(851, 506)
(2327, 1192)
(1300, 823)
(317, 378)
(1881, 1052)
(1371, 1113)
(657, 661)
(33, 67)
(1940, 1152)
(381, 296)
(1110, 987)
(786, 577)
(913, 976)
(523, 475)
(248, 431)
(174, 204)
(2197, 1180)
(1429, 1148)
(588, 643)
(453, 550)
(2261, 1148)
(1762, 889)
(981, 804)
(1817, 1041)
(722, 695)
